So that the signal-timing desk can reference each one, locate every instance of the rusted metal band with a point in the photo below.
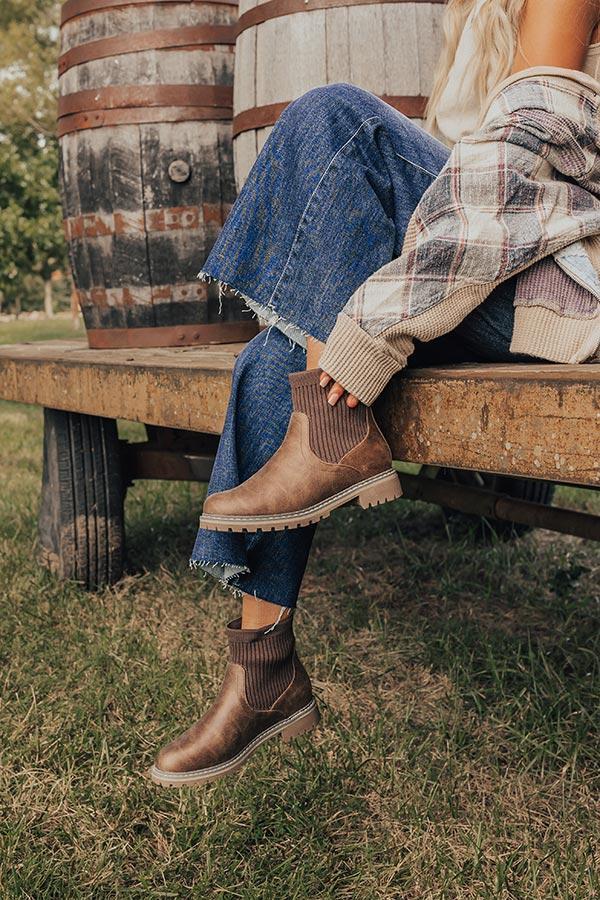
(128, 95)
(171, 335)
(140, 295)
(273, 9)
(191, 38)
(142, 116)
(411, 106)
(263, 116)
(73, 8)
(145, 221)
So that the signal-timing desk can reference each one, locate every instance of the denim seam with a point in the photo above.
(416, 165)
(310, 200)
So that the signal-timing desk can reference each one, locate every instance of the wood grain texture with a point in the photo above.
(538, 421)
(137, 235)
(388, 48)
(103, 23)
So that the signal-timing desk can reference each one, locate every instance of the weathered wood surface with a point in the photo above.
(176, 387)
(389, 49)
(539, 421)
(144, 200)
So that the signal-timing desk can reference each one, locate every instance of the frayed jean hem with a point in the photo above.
(267, 313)
(225, 573)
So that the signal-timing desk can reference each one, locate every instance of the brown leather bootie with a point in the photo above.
(265, 692)
(330, 456)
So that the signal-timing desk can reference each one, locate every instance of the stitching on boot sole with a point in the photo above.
(223, 768)
(349, 493)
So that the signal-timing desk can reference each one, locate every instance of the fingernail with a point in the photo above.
(331, 399)
(324, 381)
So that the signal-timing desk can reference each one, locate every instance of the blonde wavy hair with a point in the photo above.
(495, 29)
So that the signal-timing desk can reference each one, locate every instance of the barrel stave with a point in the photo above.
(147, 17)
(144, 199)
(388, 48)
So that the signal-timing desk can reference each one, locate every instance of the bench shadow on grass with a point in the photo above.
(160, 522)
(514, 624)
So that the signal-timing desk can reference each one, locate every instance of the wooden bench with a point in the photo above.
(514, 422)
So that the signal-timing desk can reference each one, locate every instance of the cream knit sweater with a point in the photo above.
(458, 109)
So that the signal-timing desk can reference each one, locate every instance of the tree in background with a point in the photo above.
(32, 244)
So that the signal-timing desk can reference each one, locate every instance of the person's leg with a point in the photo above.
(257, 613)
(349, 182)
(264, 567)
(266, 690)
(325, 205)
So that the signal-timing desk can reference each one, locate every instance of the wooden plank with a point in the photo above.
(244, 155)
(244, 97)
(300, 38)
(539, 421)
(261, 136)
(244, 80)
(400, 30)
(430, 31)
(274, 74)
(151, 386)
(337, 41)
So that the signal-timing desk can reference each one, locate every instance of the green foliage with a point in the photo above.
(31, 238)
(27, 11)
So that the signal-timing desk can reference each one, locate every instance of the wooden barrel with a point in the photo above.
(286, 47)
(146, 166)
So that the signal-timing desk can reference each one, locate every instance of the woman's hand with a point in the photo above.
(314, 349)
(337, 391)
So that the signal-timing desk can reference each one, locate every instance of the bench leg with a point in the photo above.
(81, 527)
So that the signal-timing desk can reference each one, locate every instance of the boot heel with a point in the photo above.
(301, 726)
(380, 492)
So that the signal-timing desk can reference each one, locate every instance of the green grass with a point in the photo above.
(60, 327)
(459, 686)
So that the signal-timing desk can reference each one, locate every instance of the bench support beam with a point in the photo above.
(145, 461)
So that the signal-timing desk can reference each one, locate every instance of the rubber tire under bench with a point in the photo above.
(81, 525)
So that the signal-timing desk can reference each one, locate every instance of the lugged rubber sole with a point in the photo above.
(299, 723)
(371, 492)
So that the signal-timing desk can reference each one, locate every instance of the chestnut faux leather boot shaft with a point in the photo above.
(330, 456)
(265, 692)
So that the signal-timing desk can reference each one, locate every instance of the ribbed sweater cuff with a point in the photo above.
(357, 360)
(542, 332)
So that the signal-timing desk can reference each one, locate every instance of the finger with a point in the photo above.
(335, 393)
(352, 401)
(325, 379)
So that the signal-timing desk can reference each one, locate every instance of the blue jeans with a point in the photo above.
(326, 204)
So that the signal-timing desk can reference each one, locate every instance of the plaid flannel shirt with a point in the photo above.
(520, 195)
